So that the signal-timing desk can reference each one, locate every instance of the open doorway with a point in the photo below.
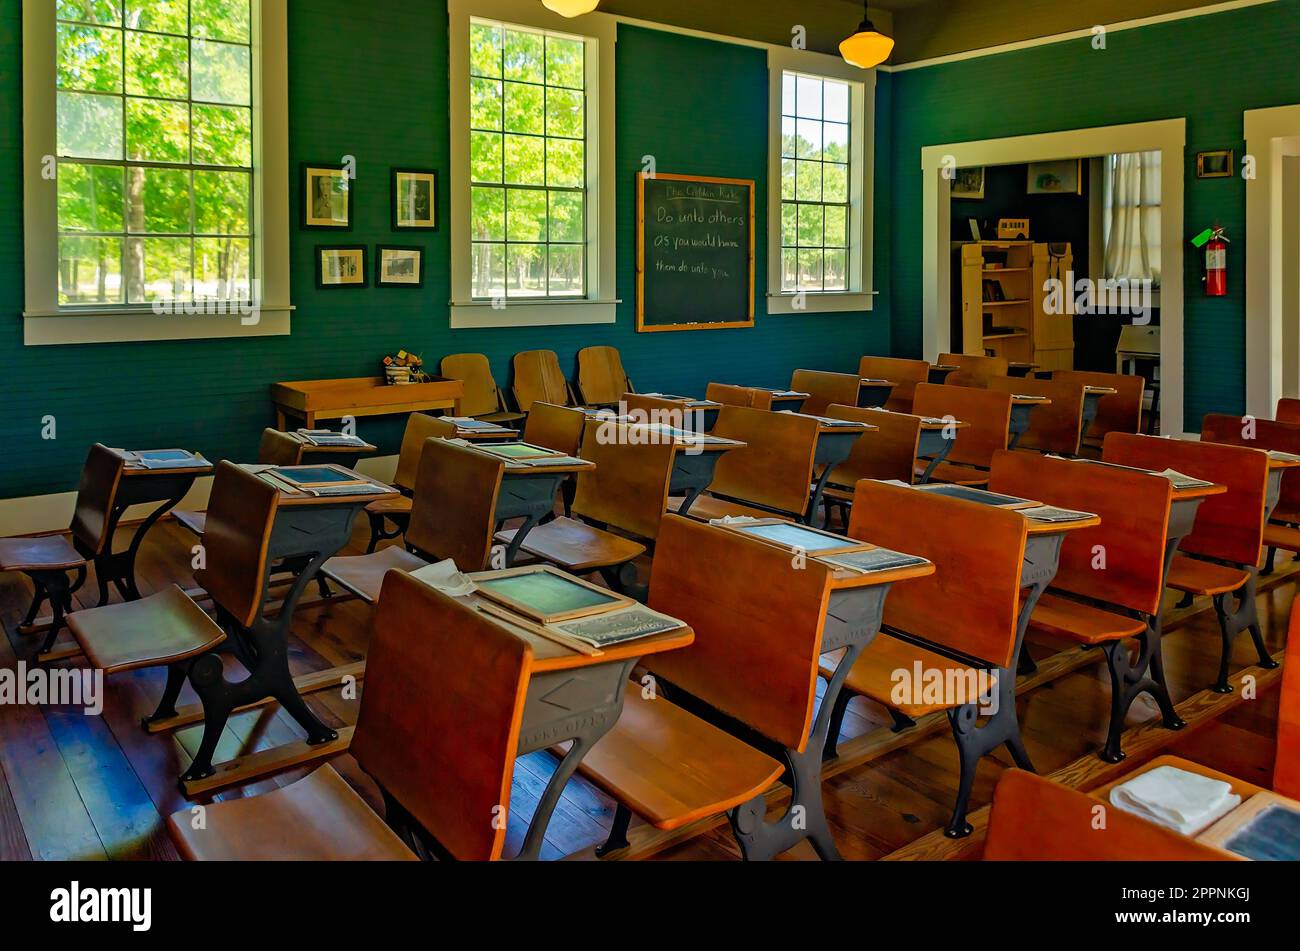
(1088, 151)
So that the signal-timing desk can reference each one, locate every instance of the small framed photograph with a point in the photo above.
(968, 183)
(415, 199)
(1217, 164)
(339, 267)
(326, 198)
(399, 267)
(1056, 178)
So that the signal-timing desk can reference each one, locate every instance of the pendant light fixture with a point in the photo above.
(571, 8)
(867, 47)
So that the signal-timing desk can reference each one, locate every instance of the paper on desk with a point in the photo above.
(1185, 802)
(447, 578)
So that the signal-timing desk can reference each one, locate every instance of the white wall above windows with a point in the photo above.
(851, 285)
(532, 302)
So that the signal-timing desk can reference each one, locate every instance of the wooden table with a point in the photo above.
(316, 400)
(572, 698)
(873, 394)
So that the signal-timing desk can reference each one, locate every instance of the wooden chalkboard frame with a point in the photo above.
(641, 325)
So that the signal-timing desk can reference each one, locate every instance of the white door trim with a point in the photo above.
(1272, 349)
(1168, 136)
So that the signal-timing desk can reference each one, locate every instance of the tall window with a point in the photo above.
(1131, 192)
(155, 151)
(816, 199)
(528, 163)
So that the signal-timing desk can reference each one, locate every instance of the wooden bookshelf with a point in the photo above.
(1015, 326)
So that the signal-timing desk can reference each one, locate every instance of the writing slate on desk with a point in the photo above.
(695, 253)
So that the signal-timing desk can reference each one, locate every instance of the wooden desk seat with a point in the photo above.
(1056, 427)
(744, 396)
(47, 561)
(1036, 820)
(671, 768)
(538, 377)
(709, 509)
(444, 764)
(987, 415)
(576, 546)
(317, 819)
(164, 629)
(1224, 546)
(453, 515)
(888, 453)
(1104, 608)
(1282, 537)
(963, 618)
(953, 474)
(420, 428)
(602, 381)
(905, 373)
(483, 399)
(825, 389)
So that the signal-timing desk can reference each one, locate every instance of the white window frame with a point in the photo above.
(600, 306)
(862, 116)
(45, 321)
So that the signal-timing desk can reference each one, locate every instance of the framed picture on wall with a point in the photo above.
(1056, 178)
(1217, 164)
(968, 183)
(399, 267)
(326, 198)
(340, 267)
(415, 199)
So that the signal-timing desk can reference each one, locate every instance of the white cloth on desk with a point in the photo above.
(1185, 802)
(447, 578)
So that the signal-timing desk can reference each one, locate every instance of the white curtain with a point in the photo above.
(1132, 216)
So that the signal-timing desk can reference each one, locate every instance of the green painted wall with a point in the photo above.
(1208, 69)
(372, 83)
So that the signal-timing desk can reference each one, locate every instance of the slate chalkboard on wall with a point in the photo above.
(695, 253)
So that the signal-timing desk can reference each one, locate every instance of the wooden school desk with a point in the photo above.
(346, 456)
(1092, 397)
(875, 393)
(316, 400)
(705, 412)
(314, 528)
(528, 490)
(1017, 369)
(695, 460)
(573, 698)
(785, 401)
(940, 372)
(835, 439)
(477, 431)
(937, 439)
(1022, 407)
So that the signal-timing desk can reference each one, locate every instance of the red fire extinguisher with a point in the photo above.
(1216, 265)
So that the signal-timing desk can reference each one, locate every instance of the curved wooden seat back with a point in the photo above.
(1228, 526)
(420, 428)
(745, 396)
(453, 514)
(775, 467)
(555, 427)
(629, 487)
(1134, 511)
(602, 381)
(1284, 437)
(481, 393)
(1286, 769)
(1054, 428)
(757, 622)
(279, 449)
(101, 477)
(1121, 413)
(825, 388)
(656, 409)
(970, 603)
(987, 415)
(1288, 410)
(1037, 820)
(538, 377)
(439, 720)
(906, 374)
(889, 453)
(974, 370)
(241, 514)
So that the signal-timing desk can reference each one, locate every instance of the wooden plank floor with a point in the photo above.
(77, 787)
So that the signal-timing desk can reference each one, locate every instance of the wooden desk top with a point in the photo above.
(841, 578)
(1021, 399)
(315, 396)
(549, 655)
(1100, 390)
(928, 423)
(483, 433)
(869, 384)
(1180, 495)
(827, 426)
(362, 450)
(135, 469)
(1035, 526)
(1277, 462)
(292, 497)
(690, 402)
(521, 467)
(944, 367)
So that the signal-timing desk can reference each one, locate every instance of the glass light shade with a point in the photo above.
(866, 48)
(571, 8)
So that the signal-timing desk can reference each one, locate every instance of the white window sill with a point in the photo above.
(134, 325)
(785, 304)
(480, 314)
